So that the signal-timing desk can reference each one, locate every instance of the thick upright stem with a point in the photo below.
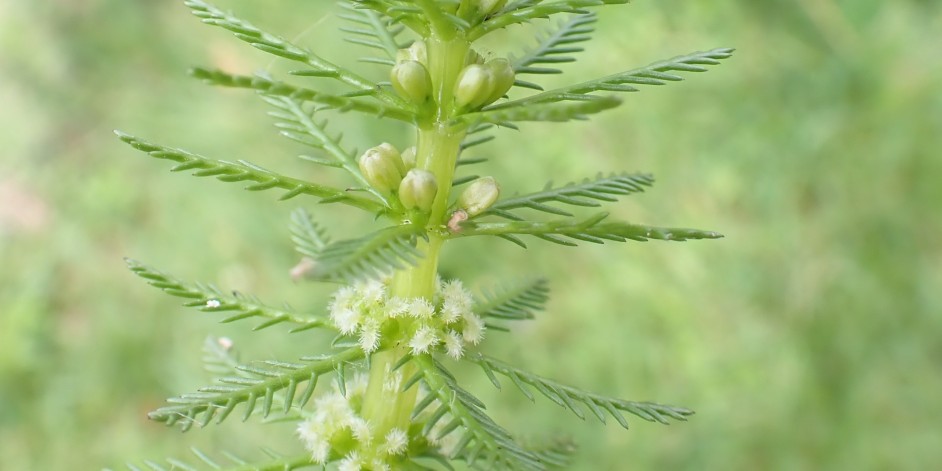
(386, 406)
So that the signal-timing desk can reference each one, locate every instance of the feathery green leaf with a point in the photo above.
(591, 229)
(220, 358)
(309, 237)
(276, 462)
(525, 11)
(657, 73)
(376, 254)
(235, 306)
(514, 301)
(588, 193)
(242, 171)
(569, 397)
(482, 441)
(400, 12)
(578, 109)
(298, 124)
(281, 47)
(372, 30)
(259, 382)
(555, 48)
(272, 87)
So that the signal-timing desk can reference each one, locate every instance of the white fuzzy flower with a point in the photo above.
(314, 440)
(350, 463)
(456, 301)
(369, 336)
(213, 303)
(473, 329)
(333, 411)
(361, 431)
(396, 307)
(347, 320)
(454, 345)
(396, 442)
(372, 292)
(380, 465)
(424, 339)
(421, 309)
(344, 298)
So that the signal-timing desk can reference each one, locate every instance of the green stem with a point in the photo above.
(437, 151)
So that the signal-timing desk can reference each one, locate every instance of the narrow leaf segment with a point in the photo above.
(275, 462)
(272, 87)
(376, 254)
(579, 108)
(524, 11)
(658, 73)
(260, 383)
(592, 229)
(570, 397)
(483, 443)
(242, 171)
(235, 306)
(516, 301)
(278, 46)
(588, 193)
(374, 31)
(309, 237)
(554, 48)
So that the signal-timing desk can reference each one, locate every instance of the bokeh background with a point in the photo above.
(809, 338)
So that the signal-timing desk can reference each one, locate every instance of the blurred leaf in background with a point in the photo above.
(808, 338)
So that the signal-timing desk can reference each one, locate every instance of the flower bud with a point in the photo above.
(418, 52)
(479, 195)
(503, 77)
(488, 7)
(474, 87)
(382, 167)
(411, 80)
(408, 158)
(418, 189)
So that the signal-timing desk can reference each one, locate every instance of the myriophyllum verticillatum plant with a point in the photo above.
(396, 323)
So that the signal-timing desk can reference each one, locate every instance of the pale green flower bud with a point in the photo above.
(418, 189)
(503, 77)
(474, 87)
(479, 195)
(488, 7)
(418, 52)
(382, 167)
(411, 80)
(408, 158)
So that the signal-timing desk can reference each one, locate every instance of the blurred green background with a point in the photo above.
(809, 338)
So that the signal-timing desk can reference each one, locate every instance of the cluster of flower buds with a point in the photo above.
(389, 171)
(481, 84)
(446, 322)
(336, 426)
(410, 77)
